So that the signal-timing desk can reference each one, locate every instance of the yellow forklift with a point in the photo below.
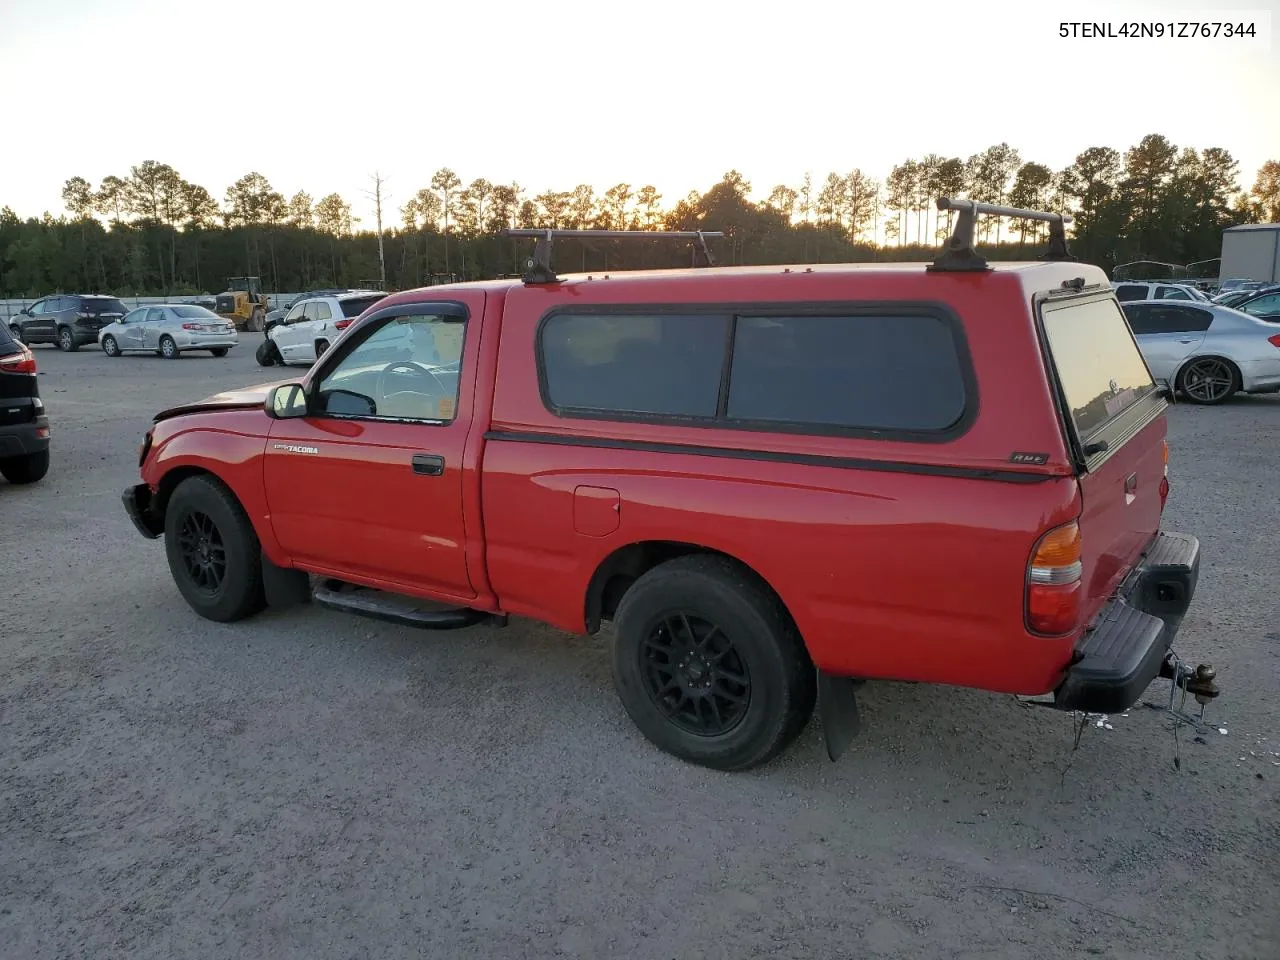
(243, 303)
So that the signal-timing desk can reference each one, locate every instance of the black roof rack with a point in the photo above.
(960, 255)
(539, 265)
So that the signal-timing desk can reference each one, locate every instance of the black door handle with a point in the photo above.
(428, 465)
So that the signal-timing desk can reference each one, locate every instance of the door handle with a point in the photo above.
(428, 465)
(1186, 340)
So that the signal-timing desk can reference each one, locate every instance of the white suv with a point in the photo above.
(1128, 291)
(312, 325)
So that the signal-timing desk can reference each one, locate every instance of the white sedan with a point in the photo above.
(168, 329)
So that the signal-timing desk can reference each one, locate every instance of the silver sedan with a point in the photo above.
(1205, 352)
(168, 329)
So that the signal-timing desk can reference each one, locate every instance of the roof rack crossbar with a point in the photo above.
(538, 267)
(960, 255)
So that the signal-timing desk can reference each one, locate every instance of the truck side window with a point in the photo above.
(661, 364)
(861, 372)
(407, 369)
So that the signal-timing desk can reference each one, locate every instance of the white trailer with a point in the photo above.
(1251, 252)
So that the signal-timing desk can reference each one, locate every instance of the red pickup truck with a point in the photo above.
(775, 482)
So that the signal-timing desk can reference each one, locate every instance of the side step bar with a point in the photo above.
(409, 611)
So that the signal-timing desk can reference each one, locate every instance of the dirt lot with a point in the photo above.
(313, 785)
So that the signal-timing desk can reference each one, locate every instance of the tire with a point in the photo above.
(203, 506)
(16, 332)
(110, 347)
(1209, 380)
(28, 468)
(267, 354)
(780, 688)
(256, 321)
(219, 351)
(322, 347)
(168, 348)
(67, 340)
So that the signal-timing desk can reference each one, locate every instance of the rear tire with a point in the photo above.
(1209, 380)
(168, 348)
(110, 347)
(67, 340)
(709, 665)
(219, 351)
(213, 551)
(322, 346)
(256, 321)
(28, 468)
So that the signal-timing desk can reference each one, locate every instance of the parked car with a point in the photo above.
(68, 321)
(278, 314)
(775, 482)
(1263, 303)
(1205, 352)
(311, 326)
(1127, 291)
(24, 427)
(168, 329)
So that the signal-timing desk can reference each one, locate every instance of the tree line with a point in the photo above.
(154, 233)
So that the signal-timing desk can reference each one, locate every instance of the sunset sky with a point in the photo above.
(318, 96)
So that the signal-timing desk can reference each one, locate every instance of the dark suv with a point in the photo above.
(68, 321)
(24, 429)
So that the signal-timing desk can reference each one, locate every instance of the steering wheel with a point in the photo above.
(417, 371)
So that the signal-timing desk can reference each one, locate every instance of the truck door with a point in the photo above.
(370, 483)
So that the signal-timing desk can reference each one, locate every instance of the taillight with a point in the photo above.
(342, 324)
(1053, 582)
(24, 361)
(1274, 341)
(1164, 481)
(144, 448)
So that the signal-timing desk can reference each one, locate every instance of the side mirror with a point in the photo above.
(286, 402)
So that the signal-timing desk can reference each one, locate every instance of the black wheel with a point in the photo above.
(219, 351)
(1208, 380)
(168, 348)
(267, 354)
(28, 468)
(321, 347)
(16, 332)
(67, 341)
(110, 347)
(213, 552)
(256, 321)
(709, 665)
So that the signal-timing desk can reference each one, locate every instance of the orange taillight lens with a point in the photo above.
(1053, 582)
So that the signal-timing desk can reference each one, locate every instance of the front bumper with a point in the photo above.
(137, 504)
(1119, 656)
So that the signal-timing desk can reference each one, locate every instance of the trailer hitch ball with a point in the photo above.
(1201, 683)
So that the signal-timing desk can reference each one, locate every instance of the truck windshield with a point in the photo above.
(1098, 363)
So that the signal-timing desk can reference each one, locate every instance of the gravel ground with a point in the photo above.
(313, 785)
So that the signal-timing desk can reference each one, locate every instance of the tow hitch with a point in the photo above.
(1199, 682)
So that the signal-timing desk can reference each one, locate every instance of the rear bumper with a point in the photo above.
(137, 504)
(21, 439)
(1122, 652)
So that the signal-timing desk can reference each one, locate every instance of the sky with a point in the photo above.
(319, 96)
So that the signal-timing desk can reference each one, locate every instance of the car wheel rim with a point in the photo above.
(203, 553)
(1208, 380)
(167, 347)
(695, 675)
(65, 340)
(110, 346)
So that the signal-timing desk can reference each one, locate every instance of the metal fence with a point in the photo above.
(9, 308)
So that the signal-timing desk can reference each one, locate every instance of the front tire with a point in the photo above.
(257, 320)
(709, 665)
(110, 347)
(168, 348)
(213, 551)
(28, 468)
(268, 354)
(16, 332)
(67, 340)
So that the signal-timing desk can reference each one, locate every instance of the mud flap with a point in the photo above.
(284, 586)
(838, 709)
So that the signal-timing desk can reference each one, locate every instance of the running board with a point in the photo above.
(394, 608)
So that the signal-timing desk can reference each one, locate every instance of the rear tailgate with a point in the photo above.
(1114, 417)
